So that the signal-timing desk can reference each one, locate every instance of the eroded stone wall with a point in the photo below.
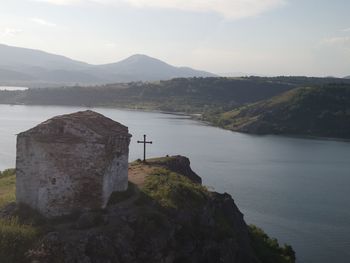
(59, 178)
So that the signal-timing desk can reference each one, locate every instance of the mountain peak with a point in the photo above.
(142, 58)
(33, 68)
(140, 67)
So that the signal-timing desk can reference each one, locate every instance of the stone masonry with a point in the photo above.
(71, 163)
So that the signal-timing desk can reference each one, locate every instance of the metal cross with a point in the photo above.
(144, 146)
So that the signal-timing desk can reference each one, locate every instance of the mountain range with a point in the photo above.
(35, 68)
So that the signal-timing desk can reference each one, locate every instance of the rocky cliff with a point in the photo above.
(165, 216)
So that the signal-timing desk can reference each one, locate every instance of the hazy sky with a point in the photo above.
(272, 37)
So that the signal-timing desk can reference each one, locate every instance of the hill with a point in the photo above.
(190, 95)
(35, 68)
(166, 215)
(144, 68)
(193, 95)
(314, 111)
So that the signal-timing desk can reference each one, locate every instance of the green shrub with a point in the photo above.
(7, 172)
(15, 240)
(268, 249)
(172, 190)
(7, 187)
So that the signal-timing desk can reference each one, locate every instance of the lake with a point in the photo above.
(296, 189)
(12, 88)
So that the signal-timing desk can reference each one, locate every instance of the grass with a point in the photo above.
(172, 190)
(247, 114)
(7, 187)
(168, 189)
(15, 238)
(286, 97)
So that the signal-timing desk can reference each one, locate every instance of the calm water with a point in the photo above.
(297, 190)
(12, 88)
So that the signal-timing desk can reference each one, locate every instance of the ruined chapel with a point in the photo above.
(71, 163)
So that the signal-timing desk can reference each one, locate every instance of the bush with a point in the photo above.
(7, 187)
(7, 172)
(268, 250)
(172, 190)
(15, 240)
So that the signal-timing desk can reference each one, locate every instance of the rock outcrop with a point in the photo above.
(144, 234)
(178, 164)
(163, 217)
(141, 227)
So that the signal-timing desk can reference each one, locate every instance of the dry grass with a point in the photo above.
(7, 187)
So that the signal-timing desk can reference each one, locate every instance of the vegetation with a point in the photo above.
(15, 238)
(268, 250)
(165, 199)
(7, 187)
(314, 111)
(278, 105)
(193, 95)
(302, 81)
(172, 190)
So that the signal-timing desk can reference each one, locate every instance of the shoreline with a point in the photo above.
(193, 116)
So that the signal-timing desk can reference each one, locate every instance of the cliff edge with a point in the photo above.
(165, 216)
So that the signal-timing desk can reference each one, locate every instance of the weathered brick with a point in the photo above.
(71, 163)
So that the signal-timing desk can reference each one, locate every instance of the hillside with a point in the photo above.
(166, 215)
(193, 95)
(314, 111)
(264, 107)
(190, 95)
(302, 81)
(35, 68)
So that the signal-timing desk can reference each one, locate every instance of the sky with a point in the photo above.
(264, 37)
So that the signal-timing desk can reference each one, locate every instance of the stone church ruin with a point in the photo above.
(71, 163)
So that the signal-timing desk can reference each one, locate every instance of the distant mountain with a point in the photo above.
(10, 75)
(145, 68)
(348, 77)
(314, 111)
(37, 68)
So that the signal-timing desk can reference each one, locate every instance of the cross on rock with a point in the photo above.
(144, 146)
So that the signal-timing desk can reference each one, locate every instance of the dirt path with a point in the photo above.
(138, 173)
